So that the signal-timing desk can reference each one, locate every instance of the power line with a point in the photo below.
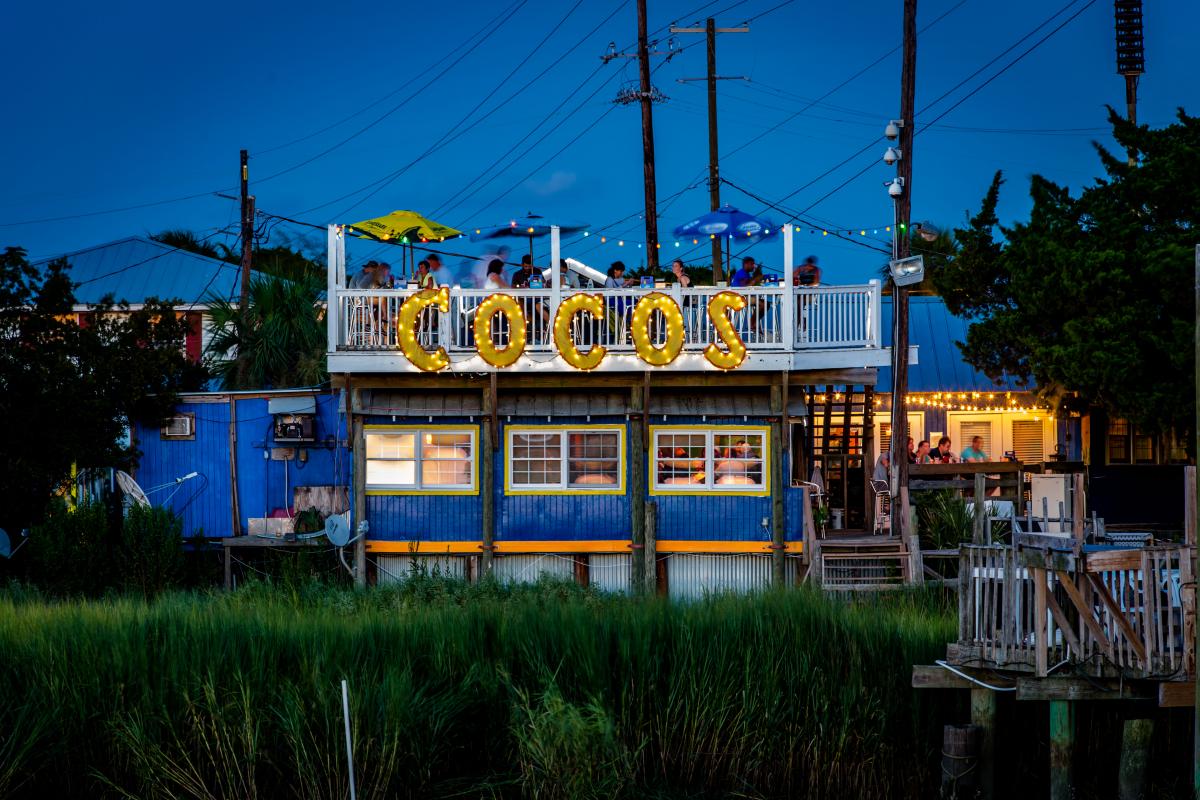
(465, 44)
(378, 185)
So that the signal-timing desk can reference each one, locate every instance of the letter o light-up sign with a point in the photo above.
(406, 329)
(593, 304)
(484, 316)
(639, 327)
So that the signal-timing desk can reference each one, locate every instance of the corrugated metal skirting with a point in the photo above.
(610, 572)
(529, 568)
(690, 576)
(393, 569)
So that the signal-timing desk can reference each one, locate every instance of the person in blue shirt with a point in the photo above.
(745, 276)
(975, 451)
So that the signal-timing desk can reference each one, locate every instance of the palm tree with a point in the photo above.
(279, 341)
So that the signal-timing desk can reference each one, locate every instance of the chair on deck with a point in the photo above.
(883, 506)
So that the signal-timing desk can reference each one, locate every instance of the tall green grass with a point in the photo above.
(466, 691)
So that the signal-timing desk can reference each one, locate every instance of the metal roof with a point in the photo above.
(562, 404)
(136, 269)
(421, 403)
(940, 365)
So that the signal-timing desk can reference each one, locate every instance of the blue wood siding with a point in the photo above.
(206, 503)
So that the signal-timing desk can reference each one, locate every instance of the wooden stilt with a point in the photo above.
(1062, 743)
(983, 716)
(487, 480)
(1135, 753)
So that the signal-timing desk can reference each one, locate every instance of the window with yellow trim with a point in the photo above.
(714, 460)
(562, 459)
(419, 459)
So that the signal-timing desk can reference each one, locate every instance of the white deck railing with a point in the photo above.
(818, 318)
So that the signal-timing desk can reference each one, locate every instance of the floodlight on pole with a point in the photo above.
(907, 271)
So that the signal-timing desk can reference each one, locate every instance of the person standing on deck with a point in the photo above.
(435, 266)
(807, 274)
(365, 279)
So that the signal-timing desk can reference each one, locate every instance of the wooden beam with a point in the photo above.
(778, 531)
(1086, 613)
(933, 676)
(1039, 619)
(624, 380)
(1117, 614)
(1064, 624)
(868, 450)
(1113, 560)
(637, 489)
(488, 445)
(359, 455)
(1177, 694)
(1053, 688)
(1189, 506)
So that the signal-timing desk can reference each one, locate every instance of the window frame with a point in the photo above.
(709, 486)
(170, 437)
(418, 488)
(564, 487)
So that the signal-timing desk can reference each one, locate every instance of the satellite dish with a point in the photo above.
(337, 529)
(131, 489)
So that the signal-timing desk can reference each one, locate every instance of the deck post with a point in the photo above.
(651, 550)
(983, 716)
(360, 502)
(637, 489)
(487, 481)
(788, 306)
(778, 534)
(1135, 754)
(978, 531)
(333, 282)
(556, 281)
(1062, 743)
(1189, 506)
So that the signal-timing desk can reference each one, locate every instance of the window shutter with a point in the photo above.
(885, 437)
(1027, 441)
(969, 430)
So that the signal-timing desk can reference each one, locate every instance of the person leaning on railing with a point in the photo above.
(807, 274)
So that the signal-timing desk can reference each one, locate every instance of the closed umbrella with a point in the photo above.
(730, 223)
(404, 227)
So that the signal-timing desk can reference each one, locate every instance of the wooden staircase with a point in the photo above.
(862, 563)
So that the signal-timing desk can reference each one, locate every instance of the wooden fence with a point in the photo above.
(1109, 613)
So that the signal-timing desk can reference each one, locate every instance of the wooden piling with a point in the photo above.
(960, 761)
(651, 551)
(487, 479)
(1135, 754)
(637, 487)
(983, 717)
(978, 532)
(1062, 743)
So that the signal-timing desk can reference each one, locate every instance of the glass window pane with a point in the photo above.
(536, 459)
(738, 459)
(460, 439)
(680, 458)
(594, 458)
(391, 445)
(446, 473)
(391, 473)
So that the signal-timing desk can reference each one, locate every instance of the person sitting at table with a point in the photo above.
(923, 452)
(616, 277)
(424, 276)
(365, 279)
(912, 454)
(746, 275)
(495, 275)
(682, 278)
(383, 276)
(943, 454)
(566, 276)
(807, 274)
(975, 451)
(520, 278)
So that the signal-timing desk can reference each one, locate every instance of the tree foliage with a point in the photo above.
(1090, 298)
(68, 392)
(278, 342)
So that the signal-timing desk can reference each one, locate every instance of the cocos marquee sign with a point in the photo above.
(728, 355)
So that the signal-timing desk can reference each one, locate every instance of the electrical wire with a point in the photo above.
(380, 184)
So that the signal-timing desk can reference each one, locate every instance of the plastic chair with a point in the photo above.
(883, 497)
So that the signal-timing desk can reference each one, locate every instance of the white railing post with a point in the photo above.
(556, 278)
(332, 285)
(787, 312)
(448, 323)
(874, 336)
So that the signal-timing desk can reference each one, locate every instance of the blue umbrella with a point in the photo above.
(729, 223)
(530, 226)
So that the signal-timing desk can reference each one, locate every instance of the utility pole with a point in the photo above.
(647, 141)
(908, 91)
(247, 232)
(1131, 54)
(710, 30)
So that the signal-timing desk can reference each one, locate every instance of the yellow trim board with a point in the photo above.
(509, 491)
(705, 546)
(475, 432)
(710, 491)
(570, 546)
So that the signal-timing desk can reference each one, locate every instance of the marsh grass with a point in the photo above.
(547, 691)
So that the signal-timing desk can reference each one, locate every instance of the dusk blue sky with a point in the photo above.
(117, 105)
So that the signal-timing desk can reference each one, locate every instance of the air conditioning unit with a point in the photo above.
(295, 419)
(179, 426)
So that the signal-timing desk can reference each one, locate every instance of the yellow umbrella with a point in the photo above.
(401, 225)
(404, 227)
